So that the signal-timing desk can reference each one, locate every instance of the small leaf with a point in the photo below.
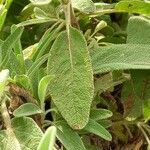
(36, 21)
(48, 140)
(84, 5)
(98, 114)
(40, 2)
(72, 87)
(102, 24)
(39, 13)
(22, 80)
(146, 110)
(2, 17)
(35, 66)
(97, 129)
(134, 6)
(68, 137)
(42, 87)
(27, 109)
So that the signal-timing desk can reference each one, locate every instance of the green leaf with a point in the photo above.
(23, 81)
(98, 114)
(134, 6)
(72, 87)
(84, 5)
(8, 44)
(68, 137)
(36, 21)
(22, 127)
(121, 56)
(35, 66)
(39, 13)
(27, 109)
(146, 110)
(97, 129)
(2, 17)
(46, 40)
(138, 30)
(40, 2)
(42, 87)
(27, 132)
(48, 140)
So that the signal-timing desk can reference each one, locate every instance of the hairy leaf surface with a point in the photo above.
(72, 87)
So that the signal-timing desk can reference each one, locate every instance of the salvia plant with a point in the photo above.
(74, 75)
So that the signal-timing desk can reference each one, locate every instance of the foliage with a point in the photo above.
(74, 74)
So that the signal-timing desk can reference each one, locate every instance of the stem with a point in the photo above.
(5, 115)
(7, 121)
(144, 133)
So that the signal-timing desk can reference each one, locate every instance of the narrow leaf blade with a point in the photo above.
(27, 109)
(68, 137)
(97, 129)
(48, 140)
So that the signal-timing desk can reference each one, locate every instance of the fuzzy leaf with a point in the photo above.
(138, 30)
(8, 44)
(72, 87)
(40, 2)
(22, 127)
(84, 5)
(68, 137)
(134, 6)
(48, 140)
(121, 56)
(98, 114)
(27, 109)
(42, 87)
(97, 129)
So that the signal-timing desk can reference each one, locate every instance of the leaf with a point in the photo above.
(27, 132)
(72, 87)
(86, 6)
(42, 87)
(8, 44)
(46, 40)
(40, 2)
(121, 56)
(39, 13)
(97, 129)
(35, 66)
(98, 114)
(27, 109)
(146, 110)
(36, 21)
(22, 127)
(48, 140)
(2, 17)
(23, 80)
(68, 137)
(134, 6)
(138, 30)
